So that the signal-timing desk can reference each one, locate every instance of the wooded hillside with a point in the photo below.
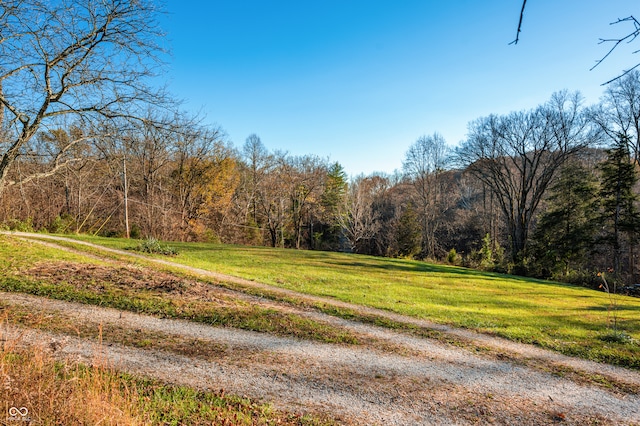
(89, 146)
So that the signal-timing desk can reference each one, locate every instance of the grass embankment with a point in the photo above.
(48, 392)
(569, 319)
(44, 271)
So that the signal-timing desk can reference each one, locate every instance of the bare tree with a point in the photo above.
(72, 62)
(150, 156)
(257, 158)
(305, 180)
(423, 163)
(361, 221)
(619, 112)
(272, 198)
(518, 155)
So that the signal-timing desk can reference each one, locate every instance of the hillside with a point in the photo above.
(292, 329)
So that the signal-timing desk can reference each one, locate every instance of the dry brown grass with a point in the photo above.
(57, 393)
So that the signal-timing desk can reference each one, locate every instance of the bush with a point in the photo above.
(453, 257)
(20, 225)
(153, 246)
(580, 278)
(61, 224)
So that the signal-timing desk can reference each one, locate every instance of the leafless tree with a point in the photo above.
(272, 198)
(423, 163)
(619, 112)
(257, 158)
(361, 221)
(305, 178)
(152, 151)
(518, 155)
(72, 62)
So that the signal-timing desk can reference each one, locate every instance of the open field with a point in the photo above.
(186, 331)
(572, 320)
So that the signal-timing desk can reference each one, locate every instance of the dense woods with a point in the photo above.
(87, 147)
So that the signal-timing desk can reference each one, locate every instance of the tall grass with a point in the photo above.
(57, 393)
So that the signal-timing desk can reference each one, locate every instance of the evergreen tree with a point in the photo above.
(409, 234)
(332, 200)
(619, 215)
(565, 232)
(335, 188)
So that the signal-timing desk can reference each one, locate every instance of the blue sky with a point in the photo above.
(359, 81)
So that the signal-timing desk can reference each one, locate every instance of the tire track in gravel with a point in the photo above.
(362, 385)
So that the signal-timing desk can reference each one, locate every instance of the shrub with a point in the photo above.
(153, 246)
(453, 257)
(61, 224)
(20, 225)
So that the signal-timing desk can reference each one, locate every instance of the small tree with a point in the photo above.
(409, 235)
(333, 202)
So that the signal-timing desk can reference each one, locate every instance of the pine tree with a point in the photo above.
(619, 215)
(409, 233)
(333, 196)
(565, 232)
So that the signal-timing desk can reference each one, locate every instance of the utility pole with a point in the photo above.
(126, 200)
(1, 111)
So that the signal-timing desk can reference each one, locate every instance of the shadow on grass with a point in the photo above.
(451, 271)
(605, 307)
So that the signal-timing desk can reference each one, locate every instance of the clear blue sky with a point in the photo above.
(358, 81)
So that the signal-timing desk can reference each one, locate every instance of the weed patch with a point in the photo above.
(153, 246)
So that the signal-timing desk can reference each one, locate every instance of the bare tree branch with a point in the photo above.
(524, 4)
(73, 61)
(629, 38)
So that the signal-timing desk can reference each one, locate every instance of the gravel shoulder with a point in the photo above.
(428, 382)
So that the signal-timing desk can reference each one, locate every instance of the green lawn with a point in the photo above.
(569, 319)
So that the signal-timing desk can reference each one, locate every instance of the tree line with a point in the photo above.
(89, 145)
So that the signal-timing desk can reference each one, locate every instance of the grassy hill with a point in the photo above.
(569, 319)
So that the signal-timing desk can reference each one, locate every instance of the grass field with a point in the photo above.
(569, 319)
